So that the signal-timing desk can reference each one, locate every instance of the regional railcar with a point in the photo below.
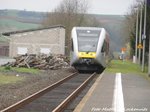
(90, 48)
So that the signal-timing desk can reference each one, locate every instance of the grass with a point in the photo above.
(4, 23)
(9, 79)
(26, 70)
(124, 67)
(6, 79)
(20, 70)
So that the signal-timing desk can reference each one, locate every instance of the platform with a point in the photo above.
(113, 93)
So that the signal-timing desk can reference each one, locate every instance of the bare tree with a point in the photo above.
(131, 24)
(130, 27)
(69, 13)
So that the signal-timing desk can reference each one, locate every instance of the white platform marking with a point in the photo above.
(118, 100)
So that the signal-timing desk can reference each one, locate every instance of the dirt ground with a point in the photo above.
(11, 93)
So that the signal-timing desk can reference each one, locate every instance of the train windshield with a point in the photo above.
(88, 40)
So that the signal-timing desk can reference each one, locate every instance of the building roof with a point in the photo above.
(29, 30)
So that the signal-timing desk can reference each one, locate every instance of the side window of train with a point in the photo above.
(72, 48)
(107, 50)
(104, 47)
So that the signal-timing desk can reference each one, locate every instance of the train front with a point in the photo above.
(84, 48)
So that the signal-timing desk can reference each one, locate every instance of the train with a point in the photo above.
(89, 49)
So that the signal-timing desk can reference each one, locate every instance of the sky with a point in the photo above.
(113, 7)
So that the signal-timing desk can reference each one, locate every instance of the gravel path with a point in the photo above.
(11, 93)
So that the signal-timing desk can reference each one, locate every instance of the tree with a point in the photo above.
(131, 24)
(69, 13)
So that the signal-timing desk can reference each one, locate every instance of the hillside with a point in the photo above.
(115, 26)
(12, 20)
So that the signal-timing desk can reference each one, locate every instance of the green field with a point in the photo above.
(124, 67)
(12, 24)
(6, 79)
(20, 70)
(13, 13)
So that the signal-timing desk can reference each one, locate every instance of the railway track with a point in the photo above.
(54, 98)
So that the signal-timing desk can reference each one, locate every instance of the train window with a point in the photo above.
(107, 50)
(72, 47)
(104, 47)
(87, 40)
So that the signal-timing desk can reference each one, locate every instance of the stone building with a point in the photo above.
(36, 41)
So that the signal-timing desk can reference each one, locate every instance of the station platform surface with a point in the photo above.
(117, 92)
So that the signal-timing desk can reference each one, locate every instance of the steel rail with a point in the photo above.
(36, 95)
(62, 106)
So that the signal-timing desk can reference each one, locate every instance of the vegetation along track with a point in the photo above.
(55, 97)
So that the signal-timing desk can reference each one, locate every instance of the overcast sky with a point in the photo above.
(114, 7)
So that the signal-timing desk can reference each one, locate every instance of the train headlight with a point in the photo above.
(93, 54)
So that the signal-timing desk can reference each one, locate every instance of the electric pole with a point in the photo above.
(136, 42)
(144, 36)
(140, 35)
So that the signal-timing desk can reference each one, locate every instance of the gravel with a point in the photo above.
(12, 93)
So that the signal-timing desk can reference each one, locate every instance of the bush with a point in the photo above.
(8, 68)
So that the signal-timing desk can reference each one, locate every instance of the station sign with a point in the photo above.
(140, 46)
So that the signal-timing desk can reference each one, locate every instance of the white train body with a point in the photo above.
(90, 48)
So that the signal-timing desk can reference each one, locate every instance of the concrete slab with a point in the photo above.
(136, 91)
(100, 97)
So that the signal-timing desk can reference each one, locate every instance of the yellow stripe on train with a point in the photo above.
(87, 54)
